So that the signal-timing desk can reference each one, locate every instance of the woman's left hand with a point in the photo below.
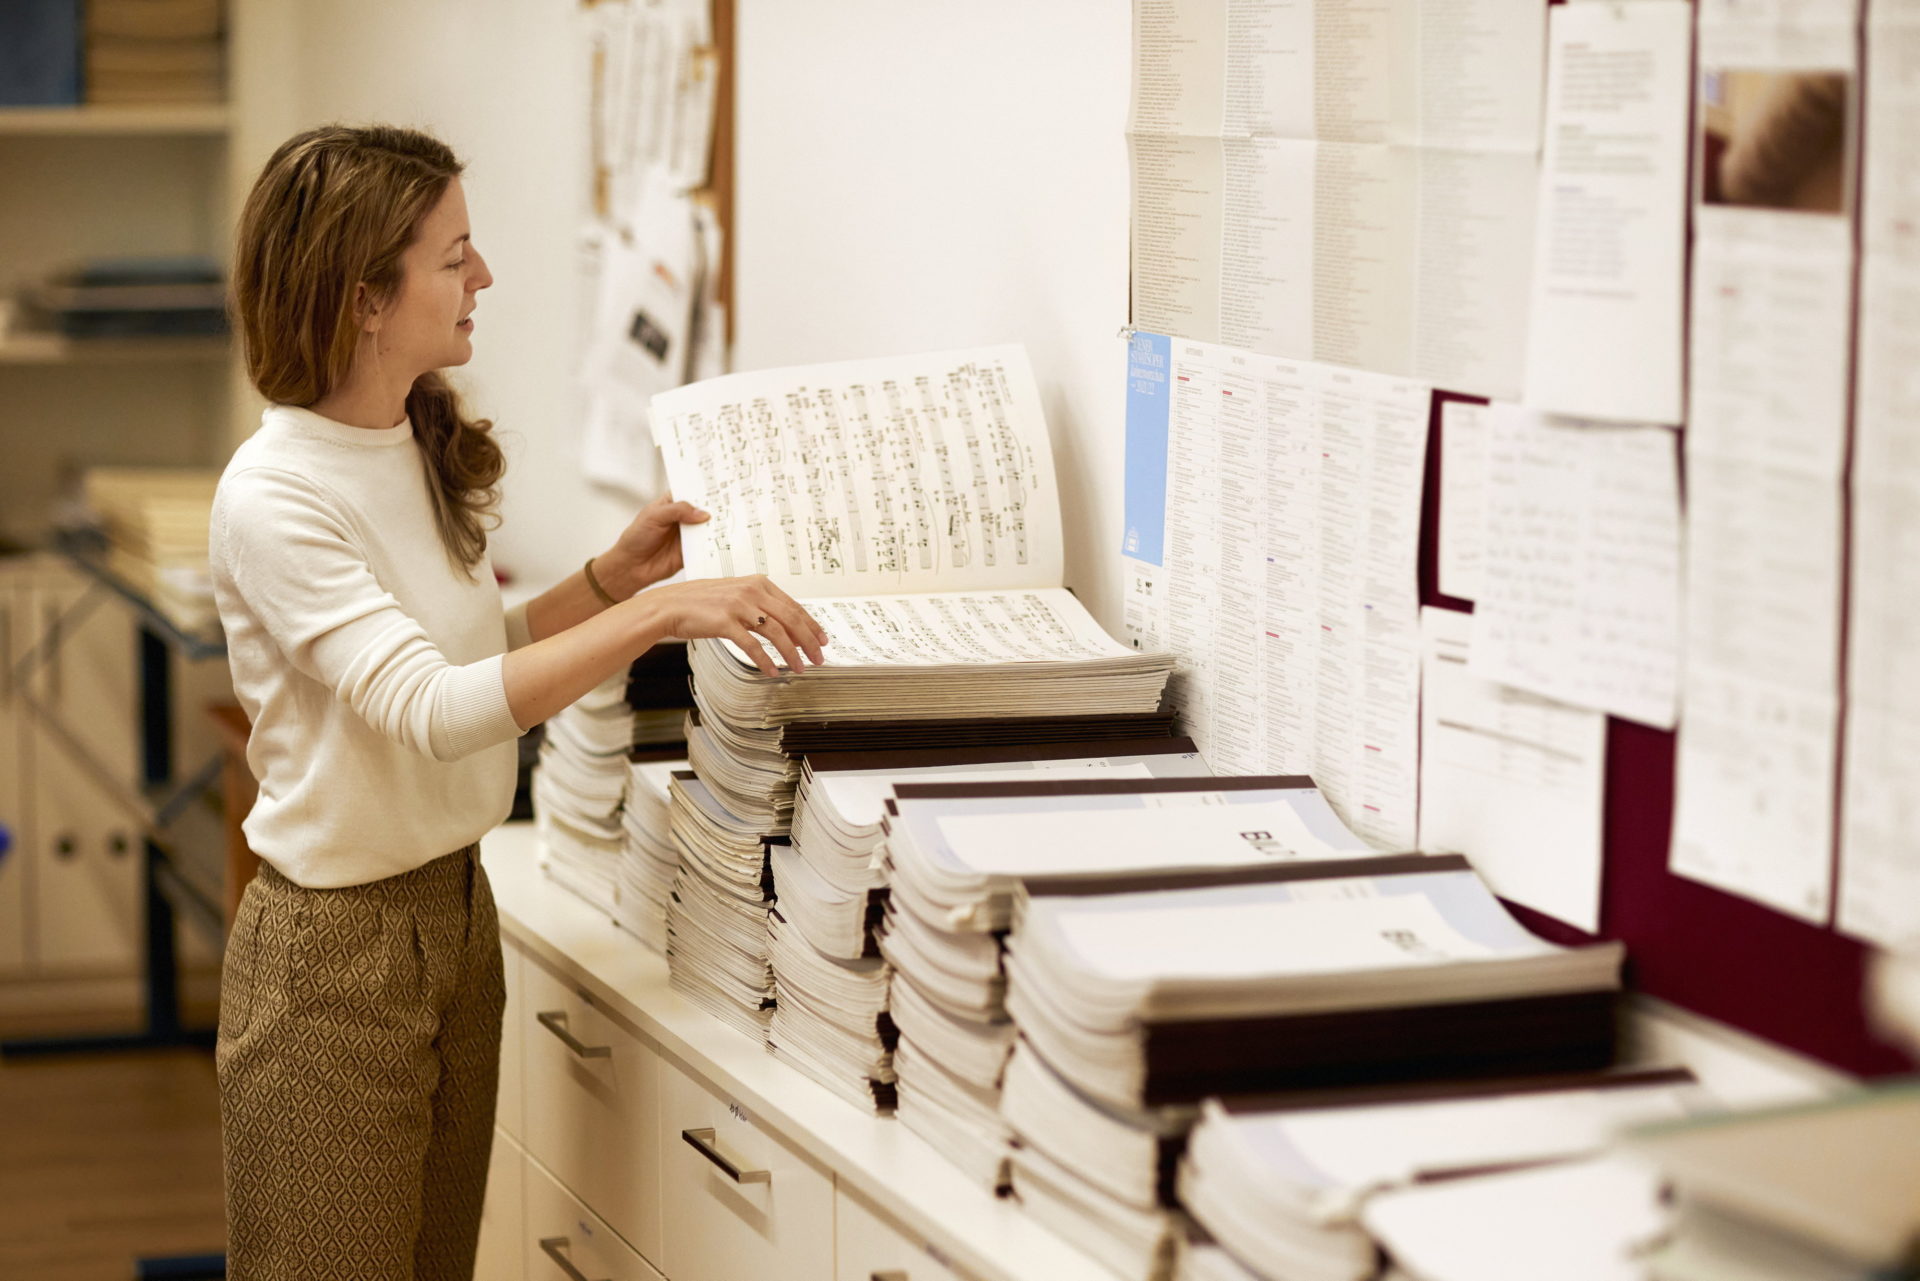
(649, 549)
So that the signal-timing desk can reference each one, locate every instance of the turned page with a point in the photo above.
(911, 474)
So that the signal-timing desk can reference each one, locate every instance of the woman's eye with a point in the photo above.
(455, 266)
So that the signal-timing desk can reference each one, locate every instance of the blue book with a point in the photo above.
(39, 53)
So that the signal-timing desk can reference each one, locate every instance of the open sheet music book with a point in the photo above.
(911, 504)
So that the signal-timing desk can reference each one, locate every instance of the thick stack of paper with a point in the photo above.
(1570, 1221)
(1281, 1184)
(1099, 1175)
(1032, 652)
(910, 505)
(577, 793)
(1329, 973)
(717, 940)
(1821, 1192)
(156, 526)
(840, 811)
(649, 857)
(755, 771)
(831, 1017)
(956, 853)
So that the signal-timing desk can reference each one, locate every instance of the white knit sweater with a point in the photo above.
(369, 664)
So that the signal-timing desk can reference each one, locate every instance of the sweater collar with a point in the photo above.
(307, 421)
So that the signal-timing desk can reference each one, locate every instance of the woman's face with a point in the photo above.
(428, 324)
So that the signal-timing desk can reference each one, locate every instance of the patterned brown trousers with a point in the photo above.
(358, 1058)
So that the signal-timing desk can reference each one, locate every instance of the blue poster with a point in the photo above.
(1149, 400)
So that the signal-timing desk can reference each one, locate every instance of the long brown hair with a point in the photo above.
(334, 207)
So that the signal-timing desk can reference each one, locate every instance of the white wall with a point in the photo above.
(910, 176)
(504, 82)
(914, 176)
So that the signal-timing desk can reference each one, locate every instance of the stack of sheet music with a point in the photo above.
(649, 858)
(956, 853)
(1280, 1183)
(831, 1017)
(717, 925)
(146, 51)
(577, 793)
(1816, 1192)
(155, 521)
(1310, 974)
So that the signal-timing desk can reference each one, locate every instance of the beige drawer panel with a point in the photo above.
(592, 1106)
(503, 1228)
(568, 1242)
(507, 1112)
(868, 1247)
(742, 1206)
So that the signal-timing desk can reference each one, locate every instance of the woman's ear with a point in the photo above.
(366, 310)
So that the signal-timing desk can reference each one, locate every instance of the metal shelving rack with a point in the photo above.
(176, 831)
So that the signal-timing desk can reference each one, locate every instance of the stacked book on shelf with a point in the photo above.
(155, 51)
(831, 1016)
(1279, 1185)
(910, 505)
(155, 523)
(130, 298)
(958, 853)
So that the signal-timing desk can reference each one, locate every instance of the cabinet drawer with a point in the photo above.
(591, 1105)
(508, 1113)
(503, 1219)
(739, 1203)
(568, 1242)
(868, 1247)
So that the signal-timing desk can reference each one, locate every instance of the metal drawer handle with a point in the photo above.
(701, 1141)
(553, 1246)
(555, 1021)
(895, 1274)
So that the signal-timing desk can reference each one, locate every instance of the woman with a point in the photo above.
(361, 998)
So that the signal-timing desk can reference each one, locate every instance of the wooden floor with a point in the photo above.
(105, 1159)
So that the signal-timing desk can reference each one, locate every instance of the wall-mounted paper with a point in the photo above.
(1463, 497)
(1610, 248)
(1766, 441)
(1580, 592)
(1305, 186)
(1512, 780)
(1288, 585)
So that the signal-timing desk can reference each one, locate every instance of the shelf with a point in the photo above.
(181, 120)
(30, 348)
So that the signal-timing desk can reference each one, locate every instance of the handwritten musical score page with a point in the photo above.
(905, 474)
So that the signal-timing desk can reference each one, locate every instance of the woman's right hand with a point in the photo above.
(736, 609)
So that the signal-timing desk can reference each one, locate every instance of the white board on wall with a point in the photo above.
(915, 177)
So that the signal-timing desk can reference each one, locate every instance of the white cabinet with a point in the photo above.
(870, 1247)
(566, 1241)
(503, 1219)
(70, 889)
(592, 1107)
(739, 1202)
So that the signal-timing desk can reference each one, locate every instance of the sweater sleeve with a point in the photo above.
(288, 555)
